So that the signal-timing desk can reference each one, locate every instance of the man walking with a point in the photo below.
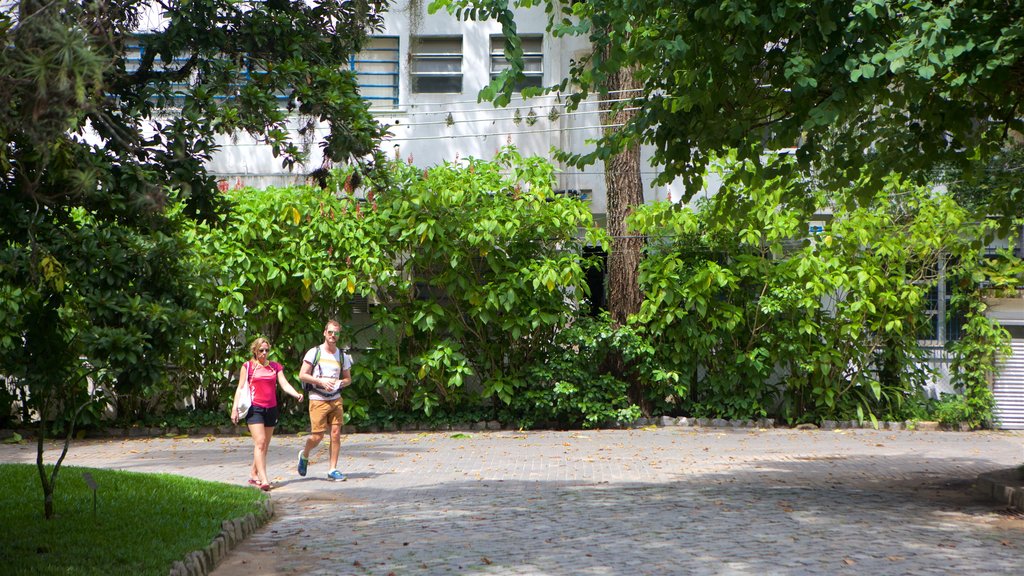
(325, 371)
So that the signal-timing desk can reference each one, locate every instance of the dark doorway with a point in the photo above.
(596, 279)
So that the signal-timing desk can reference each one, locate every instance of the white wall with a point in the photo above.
(419, 127)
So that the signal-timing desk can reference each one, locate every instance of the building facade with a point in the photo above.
(422, 75)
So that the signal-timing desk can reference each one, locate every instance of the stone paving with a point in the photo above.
(643, 501)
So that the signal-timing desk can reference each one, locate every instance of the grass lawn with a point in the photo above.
(142, 525)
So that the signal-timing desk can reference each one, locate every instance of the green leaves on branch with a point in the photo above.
(757, 315)
(853, 86)
(479, 265)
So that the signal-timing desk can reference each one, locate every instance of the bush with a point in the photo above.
(953, 410)
(573, 387)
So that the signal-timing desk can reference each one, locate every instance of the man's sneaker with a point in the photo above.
(336, 476)
(303, 462)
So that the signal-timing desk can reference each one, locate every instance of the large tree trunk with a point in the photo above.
(624, 192)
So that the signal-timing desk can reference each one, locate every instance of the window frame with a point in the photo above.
(498, 63)
(418, 56)
(378, 52)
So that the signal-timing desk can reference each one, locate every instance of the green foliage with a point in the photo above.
(102, 157)
(487, 260)
(178, 515)
(473, 268)
(113, 298)
(917, 84)
(994, 188)
(952, 410)
(573, 386)
(282, 261)
(974, 362)
(759, 318)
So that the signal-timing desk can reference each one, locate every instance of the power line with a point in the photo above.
(498, 118)
(442, 136)
(558, 95)
(485, 118)
(501, 109)
(541, 131)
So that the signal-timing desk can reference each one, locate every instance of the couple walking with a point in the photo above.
(325, 370)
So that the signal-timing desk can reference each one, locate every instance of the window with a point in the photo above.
(376, 68)
(436, 65)
(533, 60)
(134, 50)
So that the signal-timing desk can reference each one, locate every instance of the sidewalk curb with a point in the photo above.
(1005, 486)
(232, 533)
(660, 422)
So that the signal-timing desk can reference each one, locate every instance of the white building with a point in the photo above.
(422, 75)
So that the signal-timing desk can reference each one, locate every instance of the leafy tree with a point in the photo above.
(995, 190)
(758, 319)
(101, 155)
(489, 267)
(854, 87)
(850, 83)
(281, 261)
(623, 185)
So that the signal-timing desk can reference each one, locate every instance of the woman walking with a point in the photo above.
(256, 403)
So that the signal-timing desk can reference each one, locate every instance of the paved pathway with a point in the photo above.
(649, 501)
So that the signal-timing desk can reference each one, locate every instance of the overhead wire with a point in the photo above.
(486, 110)
(521, 132)
(557, 95)
(537, 117)
(474, 135)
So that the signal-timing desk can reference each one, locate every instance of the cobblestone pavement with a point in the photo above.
(645, 501)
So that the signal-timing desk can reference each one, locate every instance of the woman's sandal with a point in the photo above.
(254, 482)
(265, 487)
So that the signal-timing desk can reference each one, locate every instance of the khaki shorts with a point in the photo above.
(325, 413)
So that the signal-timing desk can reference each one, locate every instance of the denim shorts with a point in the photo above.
(261, 415)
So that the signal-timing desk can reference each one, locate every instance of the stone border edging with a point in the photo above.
(1005, 486)
(661, 421)
(232, 532)
(770, 423)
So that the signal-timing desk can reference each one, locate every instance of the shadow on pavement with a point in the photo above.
(886, 515)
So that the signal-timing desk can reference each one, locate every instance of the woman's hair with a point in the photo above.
(256, 345)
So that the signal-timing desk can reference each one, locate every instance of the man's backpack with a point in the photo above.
(307, 387)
